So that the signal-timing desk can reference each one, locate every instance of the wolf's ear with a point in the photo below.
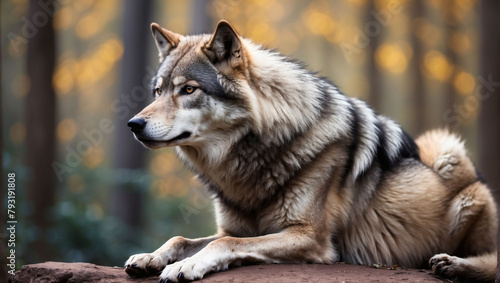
(165, 40)
(224, 44)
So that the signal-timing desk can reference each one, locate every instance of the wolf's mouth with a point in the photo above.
(182, 136)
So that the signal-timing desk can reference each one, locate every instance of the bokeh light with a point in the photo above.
(392, 58)
(66, 130)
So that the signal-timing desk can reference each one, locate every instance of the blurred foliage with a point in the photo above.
(89, 55)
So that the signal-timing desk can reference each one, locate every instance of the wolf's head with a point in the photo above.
(194, 89)
(212, 89)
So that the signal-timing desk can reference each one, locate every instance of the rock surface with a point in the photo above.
(85, 272)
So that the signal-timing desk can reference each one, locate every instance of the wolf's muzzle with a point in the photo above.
(137, 125)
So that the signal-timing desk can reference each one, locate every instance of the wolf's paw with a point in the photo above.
(141, 265)
(446, 265)
(191, 268)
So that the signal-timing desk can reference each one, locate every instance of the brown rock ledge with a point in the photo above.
(61, 272)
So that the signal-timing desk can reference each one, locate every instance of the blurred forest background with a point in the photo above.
(74, 72)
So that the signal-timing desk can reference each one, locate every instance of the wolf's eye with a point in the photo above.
(158, 91)
(188, 89)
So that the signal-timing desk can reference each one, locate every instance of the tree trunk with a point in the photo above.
(127, 199)
(489, 129)
(450, 28)
(374, 77)
(202, 22)
(418, 89)
(40, 128)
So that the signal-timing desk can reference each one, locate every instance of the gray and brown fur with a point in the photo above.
(299, 172)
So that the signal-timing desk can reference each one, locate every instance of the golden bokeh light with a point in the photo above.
(66, 130)
(94, 157)
(86, 75)
(436, 66)
(96, 65)
(319, 23)
(64, 18)
(63, 79)
(464, 83)
(459, 43)
(110, 51)
(89, 25)
(391, 57)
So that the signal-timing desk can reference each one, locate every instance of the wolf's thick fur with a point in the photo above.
(301, 173)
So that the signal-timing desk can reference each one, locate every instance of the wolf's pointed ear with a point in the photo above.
(165, 40)
(224, 44)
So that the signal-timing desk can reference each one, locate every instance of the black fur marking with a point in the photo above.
(353, 147)
(382, 156)
(325, 99)
(409, 148)
(206, 75)
(152, 86)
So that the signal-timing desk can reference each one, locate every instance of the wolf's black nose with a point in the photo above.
(136, 124)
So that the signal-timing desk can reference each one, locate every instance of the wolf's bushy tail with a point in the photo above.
(446, 154)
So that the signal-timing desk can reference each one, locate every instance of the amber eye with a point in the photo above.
(188, 89)
(157, 91)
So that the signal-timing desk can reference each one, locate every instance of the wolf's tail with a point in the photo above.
(446, 154)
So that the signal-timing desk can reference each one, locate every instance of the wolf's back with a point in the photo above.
(445, 153)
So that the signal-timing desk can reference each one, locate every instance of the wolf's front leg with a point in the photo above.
(296, 244)
(175, 249)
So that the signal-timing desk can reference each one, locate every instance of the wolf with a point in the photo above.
(301, 173)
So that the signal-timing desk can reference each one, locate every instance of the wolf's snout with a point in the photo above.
(137, 125)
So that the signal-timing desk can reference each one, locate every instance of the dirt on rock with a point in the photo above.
(61, 272)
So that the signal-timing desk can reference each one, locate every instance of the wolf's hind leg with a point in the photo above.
(477, 268)
(478, 208)
(473, 229)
